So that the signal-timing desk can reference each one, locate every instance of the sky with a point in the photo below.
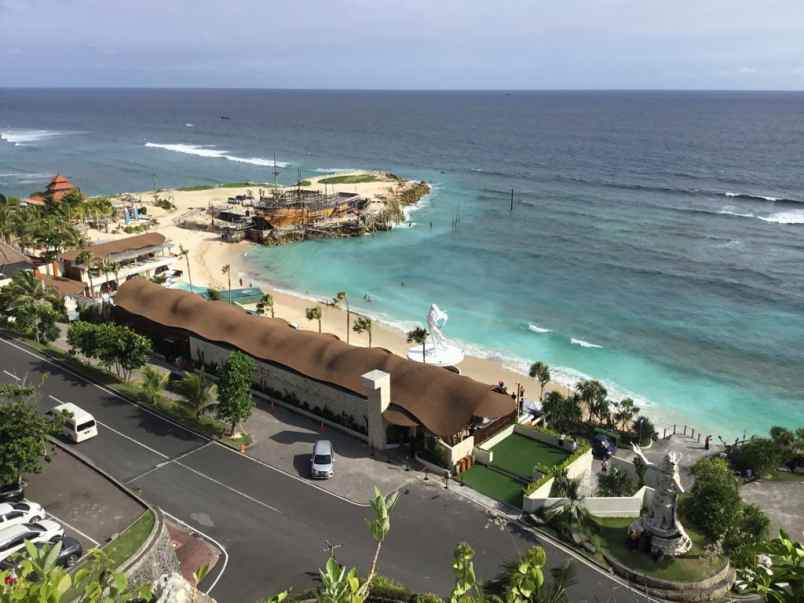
(405, 44)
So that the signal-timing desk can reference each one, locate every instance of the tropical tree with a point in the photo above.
(522, 580)
(24, 431)
(560, 477)
(185, 253)
(625, 411)
(592, 394)
(616, 482)
(314, 313)
(561, 413)
(227, 270)
(570, 516)
(342, 298)
(419, 336)
(713, 503)
(153, 382)
(31, 306)
(541, 372)
(199, 391)
(776, 571)
(213, 295)
(87, 258)
(234, 389)
(266, 301)
(363, 324)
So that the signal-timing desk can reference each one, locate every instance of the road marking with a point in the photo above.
(290, 475)
(137, 442)
(212, 540)
(158, 466)
(222, 485)
(11, 375)
(74, 529)
(66, 369)
(56, 399)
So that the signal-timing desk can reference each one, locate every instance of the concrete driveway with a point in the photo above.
(285, 440)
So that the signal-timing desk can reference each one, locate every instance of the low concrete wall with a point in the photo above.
(483, 456)
(580, 466)
(497, 438)
(609, 506)
(461, 450)
(576, 470)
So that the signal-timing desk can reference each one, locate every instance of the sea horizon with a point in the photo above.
(654, 243)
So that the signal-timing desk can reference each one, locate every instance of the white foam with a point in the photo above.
(734, 243)
(23, 137)
(730, 211)
(210, 152)
(584, 344)
(785, 217)
(537, 329)
(25, 176)
(189, 125)
(335, 170)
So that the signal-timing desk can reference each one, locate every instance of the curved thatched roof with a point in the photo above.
(442, 401)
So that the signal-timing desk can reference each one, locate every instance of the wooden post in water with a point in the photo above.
(512, 200)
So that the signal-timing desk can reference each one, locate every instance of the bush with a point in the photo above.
(427, 598)
(759, 455)
(388, 589)
(644, 426)
(713, 503)
(616, 483)
(749, 529)
(583, 448)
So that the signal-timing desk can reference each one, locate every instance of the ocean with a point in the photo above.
(655, 241)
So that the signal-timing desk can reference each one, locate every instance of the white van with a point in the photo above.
(79, 424)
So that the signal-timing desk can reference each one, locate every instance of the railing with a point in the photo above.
(491, 429)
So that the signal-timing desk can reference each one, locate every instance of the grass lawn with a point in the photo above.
(494, 485)
(692, 567)
(349, 179)
(125, 545)
(518, 454)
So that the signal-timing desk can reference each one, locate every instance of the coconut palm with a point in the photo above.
(363, 325)
(153, 381)
(86, 258)
(590, 392)
(185, 253)
(227, 270)
(314, 313)
(419, 335)
(626, 411)
(541, 372)
(570, 515)
(199, 391)
(342, 298)
(33, 306)
(266, 301)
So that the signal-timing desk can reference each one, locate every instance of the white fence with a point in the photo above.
(610, 506)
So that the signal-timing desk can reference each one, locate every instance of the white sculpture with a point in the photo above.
(437, 350)
(660, 522)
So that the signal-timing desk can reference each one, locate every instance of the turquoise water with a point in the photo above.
(656, 241)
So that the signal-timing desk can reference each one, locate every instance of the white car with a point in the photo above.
(12, 514)
(12, 539)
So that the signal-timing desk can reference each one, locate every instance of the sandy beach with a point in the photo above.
(208, 255)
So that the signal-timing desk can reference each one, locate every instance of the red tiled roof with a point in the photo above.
(60, 183)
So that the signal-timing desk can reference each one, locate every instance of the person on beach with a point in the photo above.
(706, 442)
(604, 466)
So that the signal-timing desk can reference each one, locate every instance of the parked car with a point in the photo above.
(13, 539)
(322, 461)
(70, 554)
(12, 514)
(14, 492)
(602, 447)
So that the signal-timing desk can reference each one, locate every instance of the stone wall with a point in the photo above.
(155, 558)
(288, 383)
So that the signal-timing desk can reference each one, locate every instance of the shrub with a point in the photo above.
(713, 503)
(583, 448)
(749, 529)
(644, 426)
(427, 598)
(759, 455)
(616, 483)
(388, 589)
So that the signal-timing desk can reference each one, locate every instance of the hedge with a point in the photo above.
(583, 447)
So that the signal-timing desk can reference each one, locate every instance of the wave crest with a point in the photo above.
(584, 344)
(210, 152)
(537, 329)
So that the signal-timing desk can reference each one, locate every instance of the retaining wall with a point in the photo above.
(497, 438)
(600, 506)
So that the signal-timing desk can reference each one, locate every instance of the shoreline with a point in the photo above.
(208, 254)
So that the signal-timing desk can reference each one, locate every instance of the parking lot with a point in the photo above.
(91, 508)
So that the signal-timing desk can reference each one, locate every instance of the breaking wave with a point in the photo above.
(785, 217)
(537, 329)
(24, 137)
(210, 152)
(584, 344)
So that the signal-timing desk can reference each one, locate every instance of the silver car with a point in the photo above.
(322, 462)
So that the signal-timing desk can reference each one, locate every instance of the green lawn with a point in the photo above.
(518, 454)
(494, 485)
(349, 179)
(125, 545)
(692, 567)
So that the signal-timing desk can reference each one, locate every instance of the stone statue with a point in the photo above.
(436, 320)
(660, 522)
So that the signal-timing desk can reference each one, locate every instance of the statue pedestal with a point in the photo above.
(443, 355)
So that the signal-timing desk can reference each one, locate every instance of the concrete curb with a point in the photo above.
(158, 520)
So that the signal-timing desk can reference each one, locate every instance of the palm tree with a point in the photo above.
(342, 297)
(31, 303)
(199, 391)
(626, 411)
(86, 258)
(115, 268)
(363, 324)
(419, 335)
(227, 270)
(571, 516)
(314, 313)
(152, 383)
(590, 392)
(185, 253)
(541, 372)
(266, 300)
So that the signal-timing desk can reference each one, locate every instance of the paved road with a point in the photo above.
(273, 526)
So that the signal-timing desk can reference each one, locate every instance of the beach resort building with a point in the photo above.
(55, 192)
(103, 267)
(380, 397)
